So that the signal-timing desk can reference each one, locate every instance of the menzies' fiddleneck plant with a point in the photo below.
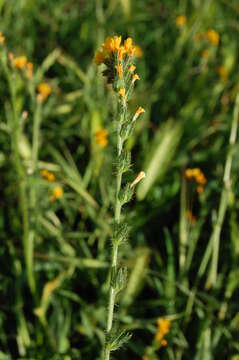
(120, 72)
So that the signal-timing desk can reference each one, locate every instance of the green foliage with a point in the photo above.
(55, 245)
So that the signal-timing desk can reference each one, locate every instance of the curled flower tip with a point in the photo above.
(102, 138)
(2, 38)
(139, 177)
(181, 20)
(213, 37)
(135, 77)
(99, 57)
(119, 70)
(19, 62)
(139, 111)
(44, 90)
(132, 68)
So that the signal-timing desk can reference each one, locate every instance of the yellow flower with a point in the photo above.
(122, 93)
(205, 54)
(47, 175)
(121, 52)
(181, 20)
(132, 68)
(57, 193)
(222, 71)
(119, 70)
(44, 90)
(115, 43)
(29, 69)
(139, 111)
(145, 357)
(128, 44)
(19, 62)
(164, 326)
(135, 77)
(99, 57)
(2, 38)
(213, 37)
(102, 137)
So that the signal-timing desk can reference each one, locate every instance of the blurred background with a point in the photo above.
(57, 165)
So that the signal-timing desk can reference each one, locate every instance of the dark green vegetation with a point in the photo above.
(173, 265)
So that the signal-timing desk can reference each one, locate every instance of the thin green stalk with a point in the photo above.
(183, 233)
(215, 237)
(21, 179)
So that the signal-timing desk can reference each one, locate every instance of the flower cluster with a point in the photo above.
(164, 326)
(197, 175)
(118, 58)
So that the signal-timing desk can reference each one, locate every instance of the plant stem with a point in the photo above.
(215, 237)
(114, 261)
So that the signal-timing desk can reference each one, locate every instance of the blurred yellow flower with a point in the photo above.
(19, 62)
(102, 137)
(138, 51)
(56, 194)
(47, 175)
(191, 218)
(2, 38)
(132, 68)
(200, 189)
(99, 57)
(164, 342)
(164, 326)
(205, 54)
(222, 71)
(181, 20)
(213, 37)
(29, 71)
(44, 90)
